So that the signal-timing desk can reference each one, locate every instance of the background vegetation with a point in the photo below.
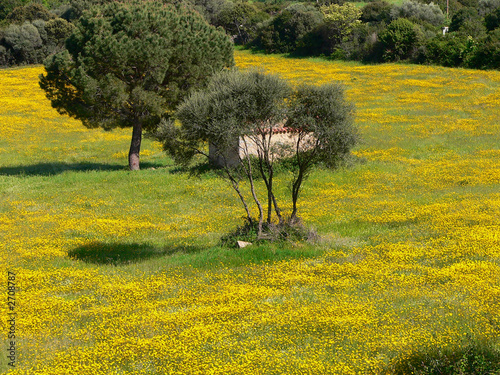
(405, 273)
(371, 31)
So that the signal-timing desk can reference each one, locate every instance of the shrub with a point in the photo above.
(284, 32)
(488, 6)
(5, 56)
(240, 20)
(492, 20)
(463, 15)
(25, 42)
(446, 50)
(32, 42)
(487, 53)
(414, 10)
(30, 12)
(58, 30)
(341, 20)
(376, 12)
(7, 6)
(400, 40)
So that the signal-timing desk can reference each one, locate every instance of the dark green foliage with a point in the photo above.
(476, 358)
(316, 42)
(58, 30)
(414, 11)
(467, 43)
(284, 32)
(492, 20)
(240, 20)
(487, 52)
(469, 3)
(400, 40)
(5, 55)
(376, 12)
(79, 6)
(473, 28)
(24, 42)
(30, 12)
(127, 65)
(7, 6)
(449, 50)
(488, 6)
(462, 17)
(468, 22)
(32, 42)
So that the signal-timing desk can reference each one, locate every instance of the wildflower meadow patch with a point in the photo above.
(119, 272)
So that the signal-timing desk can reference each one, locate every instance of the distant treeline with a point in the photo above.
(467, 34)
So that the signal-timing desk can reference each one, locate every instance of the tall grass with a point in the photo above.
(121, 273)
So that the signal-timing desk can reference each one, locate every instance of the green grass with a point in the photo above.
(122, 271)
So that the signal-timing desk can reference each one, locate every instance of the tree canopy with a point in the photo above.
(129, 64)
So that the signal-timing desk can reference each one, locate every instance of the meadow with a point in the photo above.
(121, 272)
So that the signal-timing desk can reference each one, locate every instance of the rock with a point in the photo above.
(242, 244)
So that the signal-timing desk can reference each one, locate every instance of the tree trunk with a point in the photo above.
(135, 147)
(295, 195)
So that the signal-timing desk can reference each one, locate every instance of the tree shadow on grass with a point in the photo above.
(122, 253)
(50, 169)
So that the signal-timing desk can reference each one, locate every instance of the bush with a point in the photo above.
(284, 232)
(488, 6)
(25, 42)
(468, 22)
(414, 10)
(376, 12)
(487, 53)
(283, 33)
(240, 20)
(492, 20)
(400, 40)
(32, 42)
(7, 6)
(5, 56)
(446, 50)
(341, 21)
(30, 13)
(463, 15)
(58, 30)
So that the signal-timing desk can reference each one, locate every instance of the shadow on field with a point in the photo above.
(120, 253)
(50, 169)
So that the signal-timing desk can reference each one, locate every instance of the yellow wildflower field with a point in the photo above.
(113, 269)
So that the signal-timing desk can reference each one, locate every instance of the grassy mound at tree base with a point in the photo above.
(286, 231)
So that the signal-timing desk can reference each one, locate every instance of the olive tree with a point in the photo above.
(243, 113)
(129, 65)
(235, 113)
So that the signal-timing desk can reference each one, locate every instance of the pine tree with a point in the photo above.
(130, 64)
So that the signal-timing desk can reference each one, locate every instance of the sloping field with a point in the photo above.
(120, 273)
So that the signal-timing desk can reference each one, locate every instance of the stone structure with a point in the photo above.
(282, 137)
